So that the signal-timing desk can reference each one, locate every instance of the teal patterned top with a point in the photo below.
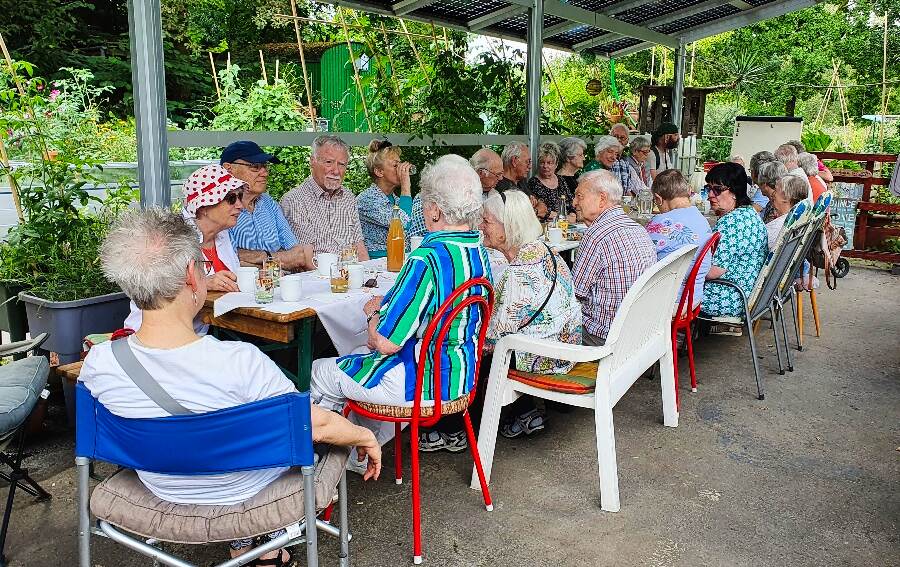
(741, 253)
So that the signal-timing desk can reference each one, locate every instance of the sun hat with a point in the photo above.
(208, 186)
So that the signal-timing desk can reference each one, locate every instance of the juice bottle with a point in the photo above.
(396, 242)
(562, 221)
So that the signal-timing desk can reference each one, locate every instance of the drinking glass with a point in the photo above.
(340, 278)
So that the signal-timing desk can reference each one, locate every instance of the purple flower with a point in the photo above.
(53, 94)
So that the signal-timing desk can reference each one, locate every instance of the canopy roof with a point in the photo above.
(611, 28)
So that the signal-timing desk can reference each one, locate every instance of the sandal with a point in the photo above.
(525, 424)
(274, 561)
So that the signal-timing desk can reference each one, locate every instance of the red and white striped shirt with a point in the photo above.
(327, 222)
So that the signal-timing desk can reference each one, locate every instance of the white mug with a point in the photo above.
(290, 288)
(357, 275)
(246, 278)
(415, 242)
(324, 261)
(555, 235)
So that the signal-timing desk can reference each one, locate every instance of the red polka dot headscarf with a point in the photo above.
(208, 186)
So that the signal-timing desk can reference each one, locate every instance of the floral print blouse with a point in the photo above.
(741, 253)
(521, 290)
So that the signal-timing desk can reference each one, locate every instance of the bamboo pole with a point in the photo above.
(652, 63)
(415, 51)
(4, 158)
(883, 83)
(362, 95)
(215, 75)
(262, 65)
(309, 101)
(387, 45)
(446, 40)
(437, 47)
(693, 56)
(276, 69)
(13, 185)
(228, 62)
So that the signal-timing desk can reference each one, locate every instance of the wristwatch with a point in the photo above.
(371, 316)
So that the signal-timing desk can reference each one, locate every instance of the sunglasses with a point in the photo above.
(232, 197)
(384, 144)
(715, 190)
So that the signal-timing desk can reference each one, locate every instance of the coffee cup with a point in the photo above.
(415, 242)
(324, 261)
(555, 235)
(356, 275)
(246, 278)
(290, 288)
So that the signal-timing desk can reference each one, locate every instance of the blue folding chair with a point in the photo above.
(274, 432)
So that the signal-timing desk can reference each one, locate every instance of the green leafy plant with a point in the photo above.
(53, 251)
(815, 140)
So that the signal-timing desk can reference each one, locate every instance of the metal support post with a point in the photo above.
(678, 88)
(148, 78)
(533, 76)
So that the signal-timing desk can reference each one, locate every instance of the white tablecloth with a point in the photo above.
(340, 313)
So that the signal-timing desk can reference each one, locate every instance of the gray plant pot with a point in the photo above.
(68, 322)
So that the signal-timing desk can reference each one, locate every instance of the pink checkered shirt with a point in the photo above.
(326, 222)
(614, 252)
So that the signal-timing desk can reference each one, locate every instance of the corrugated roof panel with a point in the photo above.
(697, 19)
(461, 11)
(652, 10)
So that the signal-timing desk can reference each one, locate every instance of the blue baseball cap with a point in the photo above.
(247, 151)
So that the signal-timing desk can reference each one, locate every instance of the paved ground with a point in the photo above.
(807, 477)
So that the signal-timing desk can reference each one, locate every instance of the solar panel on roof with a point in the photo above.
(652, 10)
(613, 46)
(460, 11)
(593, 5)
(697, 19)
(579, 34)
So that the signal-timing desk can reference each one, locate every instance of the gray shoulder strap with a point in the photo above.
(135, 370)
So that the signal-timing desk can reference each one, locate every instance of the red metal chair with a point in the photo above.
(418, 416)
(686, 313)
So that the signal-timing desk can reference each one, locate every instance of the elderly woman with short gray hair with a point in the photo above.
(571, 161)
(809, 163)
(639, 152)
(606, 152)
(767, 175)
(450, 255)
(156, 258)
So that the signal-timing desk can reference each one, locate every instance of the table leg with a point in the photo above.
(305, 352)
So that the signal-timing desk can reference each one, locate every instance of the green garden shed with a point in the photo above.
(331, 80)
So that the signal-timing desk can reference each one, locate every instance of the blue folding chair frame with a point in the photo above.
(275, 432)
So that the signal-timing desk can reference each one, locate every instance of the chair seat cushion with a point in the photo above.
(447, 408)
(21, 383)
(124, 501)
(580, 380)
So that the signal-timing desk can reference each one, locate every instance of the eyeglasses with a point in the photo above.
(254, 167)
(232, 197)
(494, 173)
(208, 267)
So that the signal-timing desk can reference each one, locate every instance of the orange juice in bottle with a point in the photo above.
(396, 242)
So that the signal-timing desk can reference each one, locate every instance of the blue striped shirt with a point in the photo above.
(443, 262)
(263, 229)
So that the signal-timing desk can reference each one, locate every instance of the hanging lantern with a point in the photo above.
(593, 87)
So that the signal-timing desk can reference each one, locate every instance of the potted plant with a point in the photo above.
(52, 254)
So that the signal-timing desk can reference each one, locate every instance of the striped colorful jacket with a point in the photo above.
(443, 262)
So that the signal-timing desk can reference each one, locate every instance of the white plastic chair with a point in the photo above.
(640, 335)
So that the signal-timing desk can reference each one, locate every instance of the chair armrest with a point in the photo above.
(20, 347)
(552, 349)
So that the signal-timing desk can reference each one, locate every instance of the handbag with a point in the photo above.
(827, 245)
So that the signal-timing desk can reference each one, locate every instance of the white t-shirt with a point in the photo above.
(203, 376)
